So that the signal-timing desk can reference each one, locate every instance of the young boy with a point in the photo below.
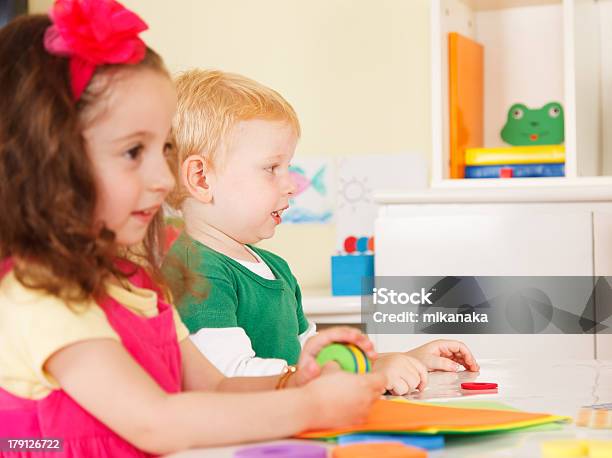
(234, 140)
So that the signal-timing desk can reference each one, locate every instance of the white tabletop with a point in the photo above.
(554, 386)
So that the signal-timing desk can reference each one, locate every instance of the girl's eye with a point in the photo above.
(271, 168)
(168, 147)
(134, 153)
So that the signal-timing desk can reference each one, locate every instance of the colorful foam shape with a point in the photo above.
(424, 442)
(282, 450)
(378, 450)
(363, 362)
(600, 449)
(564, 448)
(479, 386)
(387, 416)
(339, 354)
(349, 357)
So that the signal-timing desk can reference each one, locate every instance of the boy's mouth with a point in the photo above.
(277, 214)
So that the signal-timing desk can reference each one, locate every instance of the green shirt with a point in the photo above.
(269, 311)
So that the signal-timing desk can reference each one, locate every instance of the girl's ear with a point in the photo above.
(195, 176)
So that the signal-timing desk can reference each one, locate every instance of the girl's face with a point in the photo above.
(127, 141)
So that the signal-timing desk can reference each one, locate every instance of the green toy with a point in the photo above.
(349, 357)
(543, 126)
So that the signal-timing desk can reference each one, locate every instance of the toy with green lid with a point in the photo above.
(349, 357)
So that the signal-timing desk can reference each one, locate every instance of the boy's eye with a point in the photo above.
(135, 152)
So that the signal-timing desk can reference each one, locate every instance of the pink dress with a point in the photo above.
(152, 342)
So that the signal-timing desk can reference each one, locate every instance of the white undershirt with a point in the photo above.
(230, 349)
(259, 267)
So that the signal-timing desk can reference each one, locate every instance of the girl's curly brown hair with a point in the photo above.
(47, 189)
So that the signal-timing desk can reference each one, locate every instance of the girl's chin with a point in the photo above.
(131, 240)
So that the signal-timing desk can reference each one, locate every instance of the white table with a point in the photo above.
(553, 386)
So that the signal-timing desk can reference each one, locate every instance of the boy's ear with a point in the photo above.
(195, 176)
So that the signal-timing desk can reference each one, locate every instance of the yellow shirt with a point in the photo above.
(34, 325)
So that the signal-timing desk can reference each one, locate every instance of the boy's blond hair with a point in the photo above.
(210, 104)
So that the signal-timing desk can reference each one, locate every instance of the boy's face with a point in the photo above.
(253, 186)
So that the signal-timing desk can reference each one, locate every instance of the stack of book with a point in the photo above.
(515, 162)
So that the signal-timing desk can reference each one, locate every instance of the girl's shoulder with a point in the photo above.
(27, 307)
(19, 297)
(33, 326)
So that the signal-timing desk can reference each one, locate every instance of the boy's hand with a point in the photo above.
(404, 373)
(308, 368)
(445, 355)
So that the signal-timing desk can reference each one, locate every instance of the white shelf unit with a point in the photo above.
(535, 51)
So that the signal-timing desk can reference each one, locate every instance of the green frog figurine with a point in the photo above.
(540, 126)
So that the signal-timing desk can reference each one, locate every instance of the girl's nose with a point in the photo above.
(163, 179)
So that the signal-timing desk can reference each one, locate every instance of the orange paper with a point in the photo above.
(391, 416)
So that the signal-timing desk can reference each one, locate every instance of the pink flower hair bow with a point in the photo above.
(92, 33)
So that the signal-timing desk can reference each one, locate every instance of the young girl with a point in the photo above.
(90, 353)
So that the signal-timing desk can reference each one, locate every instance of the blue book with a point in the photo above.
(518, 170)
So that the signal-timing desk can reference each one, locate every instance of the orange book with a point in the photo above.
(404, 417)
(466, 99)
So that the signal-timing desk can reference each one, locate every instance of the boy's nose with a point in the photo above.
(291, 185)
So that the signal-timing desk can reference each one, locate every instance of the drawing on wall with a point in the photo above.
(352, 192)
(313, 201)
(359, 176)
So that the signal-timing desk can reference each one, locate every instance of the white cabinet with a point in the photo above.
(602, 242)
(485, 240)
(514, 231)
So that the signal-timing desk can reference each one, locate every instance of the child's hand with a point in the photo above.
(445, 355)
(342, 399)
(404, 373)
(308, 368)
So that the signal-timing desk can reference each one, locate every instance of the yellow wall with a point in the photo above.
(356, 71)
(39, 6)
